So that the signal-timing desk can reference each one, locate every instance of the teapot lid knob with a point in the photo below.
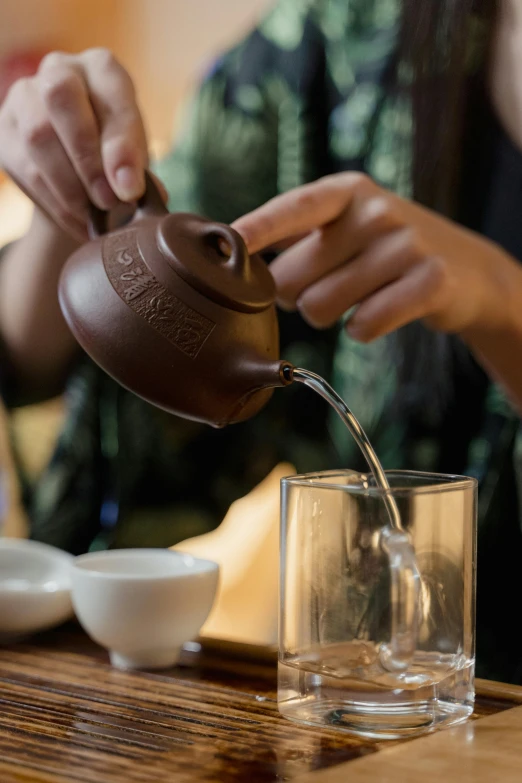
(212, 258)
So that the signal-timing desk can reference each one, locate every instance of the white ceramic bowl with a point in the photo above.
(143, 604)
(35, 587)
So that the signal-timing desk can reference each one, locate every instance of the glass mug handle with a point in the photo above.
(404, 595)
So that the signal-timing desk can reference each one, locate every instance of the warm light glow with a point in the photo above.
(246, 546)
(15, 212)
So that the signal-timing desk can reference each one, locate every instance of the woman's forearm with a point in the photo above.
(37, 343)
(499, 348)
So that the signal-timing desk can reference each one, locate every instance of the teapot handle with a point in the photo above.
(150, 204)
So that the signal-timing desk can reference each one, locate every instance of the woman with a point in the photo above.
(422, 98)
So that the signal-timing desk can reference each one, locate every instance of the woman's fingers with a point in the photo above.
(123, 139)
(417, 295)
(70, 113)
(326, 249)
(74, 133)
(44, 153)
(386, 260)
(300, 211)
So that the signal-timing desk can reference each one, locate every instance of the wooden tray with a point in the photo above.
(67, 717)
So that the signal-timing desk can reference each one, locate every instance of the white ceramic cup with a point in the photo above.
(143, 604)
(35, 587)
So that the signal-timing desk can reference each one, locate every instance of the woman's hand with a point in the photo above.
(358, 244)
(74, 133)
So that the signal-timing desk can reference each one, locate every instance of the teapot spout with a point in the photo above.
(262, 376)
(269, 374)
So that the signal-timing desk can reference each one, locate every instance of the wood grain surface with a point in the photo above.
(67, 717)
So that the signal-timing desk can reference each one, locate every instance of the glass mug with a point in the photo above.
(349, 597)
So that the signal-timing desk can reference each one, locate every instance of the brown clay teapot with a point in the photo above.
(170, 316)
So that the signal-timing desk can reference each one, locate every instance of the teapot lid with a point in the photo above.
(194, 248)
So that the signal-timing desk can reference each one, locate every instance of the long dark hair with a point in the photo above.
(437, 46)
(436, 41)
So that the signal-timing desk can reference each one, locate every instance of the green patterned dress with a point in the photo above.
(303, 96)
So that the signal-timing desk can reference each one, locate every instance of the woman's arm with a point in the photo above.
(500, 350)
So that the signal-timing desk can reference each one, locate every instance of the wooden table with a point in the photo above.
(67, 717)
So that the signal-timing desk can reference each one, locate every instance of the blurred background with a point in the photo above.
(165, 46)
